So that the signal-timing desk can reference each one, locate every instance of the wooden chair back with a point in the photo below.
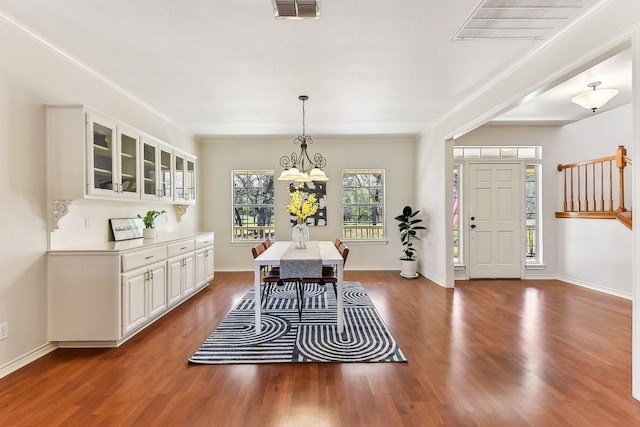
(257, 250)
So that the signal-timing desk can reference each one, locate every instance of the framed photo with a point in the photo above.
(319, 189)
(126, 228)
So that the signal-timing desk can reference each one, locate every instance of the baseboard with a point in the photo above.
(24, 360)
(595, 287)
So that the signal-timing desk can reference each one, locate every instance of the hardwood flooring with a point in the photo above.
(489, 353)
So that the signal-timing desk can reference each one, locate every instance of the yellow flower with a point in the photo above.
(302, 209)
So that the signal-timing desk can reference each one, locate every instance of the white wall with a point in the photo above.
(396, 155)
(32, 76)
(595, 253)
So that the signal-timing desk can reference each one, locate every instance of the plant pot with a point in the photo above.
(408, 268)
(149, 233)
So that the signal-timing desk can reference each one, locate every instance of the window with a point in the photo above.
(363, 204)
(253, 210)
(456, 214)
(531, 211)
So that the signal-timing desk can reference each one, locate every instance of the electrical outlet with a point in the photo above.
(4, 331)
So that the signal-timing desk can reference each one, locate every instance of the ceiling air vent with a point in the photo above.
(519, 19)
(296, 9)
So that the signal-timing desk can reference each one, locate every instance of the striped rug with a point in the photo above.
(284, 338)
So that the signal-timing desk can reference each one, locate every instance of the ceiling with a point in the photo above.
(232, 68)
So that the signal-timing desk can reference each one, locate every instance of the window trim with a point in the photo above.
(264, 172)
(384, 238)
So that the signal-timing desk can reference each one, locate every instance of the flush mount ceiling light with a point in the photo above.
(300, 167)
(594, 99)
(296, 9)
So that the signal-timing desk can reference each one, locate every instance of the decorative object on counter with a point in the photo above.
(302, 209)
(149, 223)
(407, 225)
(126, 228)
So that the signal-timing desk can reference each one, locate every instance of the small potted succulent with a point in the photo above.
(148, 220)
(407, 223)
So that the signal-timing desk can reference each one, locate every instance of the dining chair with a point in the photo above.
(269, 276)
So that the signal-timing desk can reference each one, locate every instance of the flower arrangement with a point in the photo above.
(302, 209)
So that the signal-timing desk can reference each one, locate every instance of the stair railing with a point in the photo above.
(590, 190)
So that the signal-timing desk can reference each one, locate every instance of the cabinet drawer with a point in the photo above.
(204, 241)
(180, 247)
(141, 258)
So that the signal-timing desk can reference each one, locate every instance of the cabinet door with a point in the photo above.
(178, 177)
(128, 165)
(189, 275)
(210, 264)
(134, 299)
(157, 291)
(204, 267)
(165, 171)
(190, 180)
(174, 277)
(101, 156)
(150, 166)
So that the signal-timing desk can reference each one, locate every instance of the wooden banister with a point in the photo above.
(591, 184)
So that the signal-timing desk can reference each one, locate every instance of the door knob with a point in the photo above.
(473, 218)
(473, 226)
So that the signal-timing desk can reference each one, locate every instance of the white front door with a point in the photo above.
(495, 220)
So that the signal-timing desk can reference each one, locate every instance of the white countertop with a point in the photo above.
(125, 245)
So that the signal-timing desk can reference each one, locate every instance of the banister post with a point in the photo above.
(621, 163)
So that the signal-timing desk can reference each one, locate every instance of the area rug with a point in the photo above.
(314, 338)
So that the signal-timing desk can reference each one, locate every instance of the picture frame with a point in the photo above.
(126, 228)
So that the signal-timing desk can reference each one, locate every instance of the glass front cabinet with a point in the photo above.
(112, 158)
(117, 162)
(156, 170)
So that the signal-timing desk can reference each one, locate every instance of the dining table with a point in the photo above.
(273, 256)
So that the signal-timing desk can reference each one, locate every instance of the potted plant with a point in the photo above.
(148, 220)
(407, 223)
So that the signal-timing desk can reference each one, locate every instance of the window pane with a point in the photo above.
(531, 213)
(253, 210)
(456, 216)
(363, 204)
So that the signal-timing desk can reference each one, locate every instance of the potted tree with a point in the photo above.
(407, 223)
(149, 231)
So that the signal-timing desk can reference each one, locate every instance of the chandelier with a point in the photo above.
(300, 167)
(593, 99)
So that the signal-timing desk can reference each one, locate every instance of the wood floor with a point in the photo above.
(489, 353)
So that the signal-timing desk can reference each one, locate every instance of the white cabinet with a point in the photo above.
(90, 155)
(112, 158)
(181, 280)
(190, 180)
(184, 168)
(157, 171)
(204, 260)
(102, 295)
(144, 296)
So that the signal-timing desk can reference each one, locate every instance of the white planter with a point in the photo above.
(149, 233)
(408, 268)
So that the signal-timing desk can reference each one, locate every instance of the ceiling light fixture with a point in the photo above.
(594, 99)
(300, 167)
